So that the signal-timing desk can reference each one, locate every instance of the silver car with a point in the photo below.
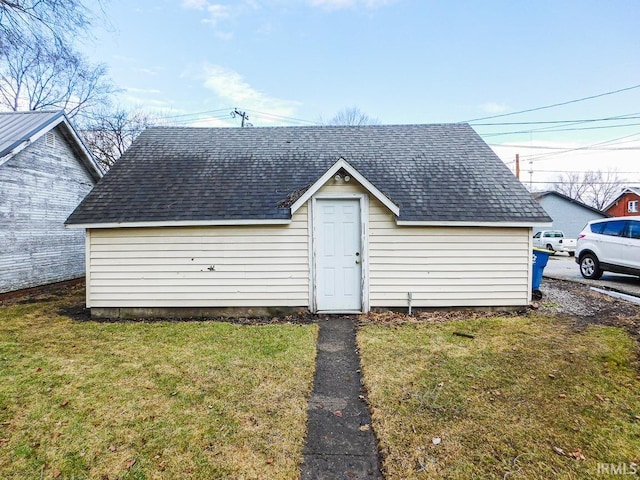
(611, 245)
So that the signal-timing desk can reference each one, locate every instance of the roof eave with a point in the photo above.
(179, 223)
(456, 223)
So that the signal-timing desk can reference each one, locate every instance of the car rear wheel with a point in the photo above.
(550, 248)
(589, 267)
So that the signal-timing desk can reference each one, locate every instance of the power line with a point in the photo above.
(554, 105)
(629, 116)
(283, 117)
(554, 130)
(587, 147)
(546, 147)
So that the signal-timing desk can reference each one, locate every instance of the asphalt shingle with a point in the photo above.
(443, 172)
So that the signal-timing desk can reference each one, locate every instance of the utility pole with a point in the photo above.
(518, 166)
(243, 115)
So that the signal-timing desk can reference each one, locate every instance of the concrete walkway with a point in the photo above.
(340, 443)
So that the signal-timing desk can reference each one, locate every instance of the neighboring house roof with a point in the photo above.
(540, 195)
(634, 190)
(431, 173)
(20, 129)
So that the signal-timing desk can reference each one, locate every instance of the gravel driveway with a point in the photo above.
(586, 307)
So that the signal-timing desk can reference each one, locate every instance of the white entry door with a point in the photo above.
(338, 255)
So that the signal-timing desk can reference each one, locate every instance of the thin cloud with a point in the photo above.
(495, 107)
(233, 88)
(195, 4)
(218, 12)
(150, 91)
(344, 4)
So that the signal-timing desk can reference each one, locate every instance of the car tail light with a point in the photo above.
(582, 235)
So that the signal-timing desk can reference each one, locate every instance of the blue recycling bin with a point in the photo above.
(539, 260)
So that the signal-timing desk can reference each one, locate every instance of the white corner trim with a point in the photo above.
(435, 223)
(180, 223)
(342, 163)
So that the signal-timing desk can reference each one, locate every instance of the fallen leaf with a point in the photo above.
(436, 440)
(112, 448)
(351, 474)
(338, 413)
(551, 375)
(497, 393)
(364, 428)
(269, 460)
(562, 395)
(599, 397)
(38, 369)
(578, 455)
(56, 473)
(65, 403)
(130, 463)
(559, 451)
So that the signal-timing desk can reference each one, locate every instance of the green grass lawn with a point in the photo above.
(527, 398)
(155, 400)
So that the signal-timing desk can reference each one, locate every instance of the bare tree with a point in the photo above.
(595, 188)
(26, 21)
(41, 76)
(352, 116)
(109, 134)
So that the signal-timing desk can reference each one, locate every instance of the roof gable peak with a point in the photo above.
(342, 164)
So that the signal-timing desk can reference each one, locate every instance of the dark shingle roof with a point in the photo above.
(432, 172)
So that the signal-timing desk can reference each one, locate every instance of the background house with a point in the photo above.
(45, 171)
(568, 215)
(330, 219)
(626, 204)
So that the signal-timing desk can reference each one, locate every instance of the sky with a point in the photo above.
(299, 62)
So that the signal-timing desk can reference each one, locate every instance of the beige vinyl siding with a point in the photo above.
(442, 266)
(226, 266)
(446, 266)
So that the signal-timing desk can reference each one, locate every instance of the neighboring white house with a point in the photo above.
(330, 219)
(45, 171)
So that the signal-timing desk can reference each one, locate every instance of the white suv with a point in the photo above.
(611, 245)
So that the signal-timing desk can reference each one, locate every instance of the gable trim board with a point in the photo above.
(335, 168)
(225, 218)
(50, 120)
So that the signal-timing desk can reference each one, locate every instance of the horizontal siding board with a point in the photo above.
(197, 276)
(227, 301)
(198, 263)
(202, 233)
(213, 253)
(106, 243)
(218, 266)
(128, 269)
(446, 266)
(194, 284)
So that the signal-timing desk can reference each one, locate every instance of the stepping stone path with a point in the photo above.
(340, 443)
